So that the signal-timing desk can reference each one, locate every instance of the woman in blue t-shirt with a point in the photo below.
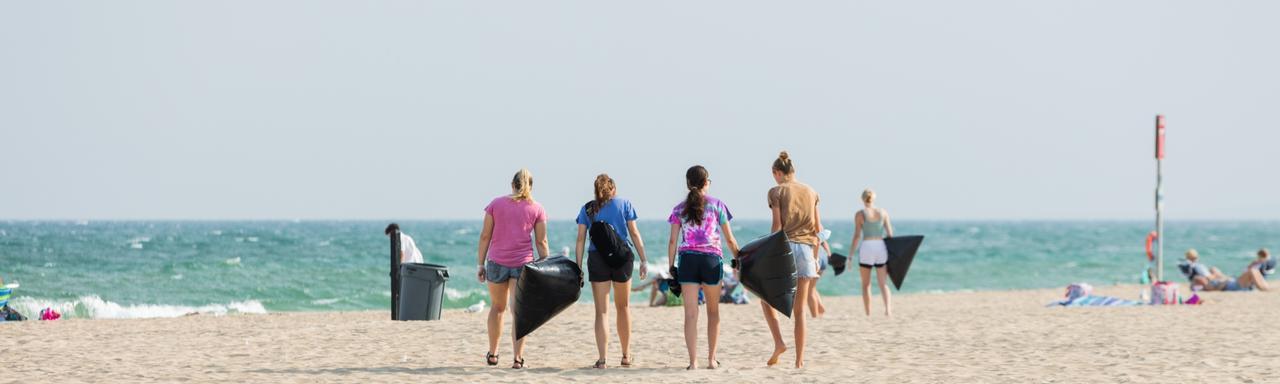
(608, 209)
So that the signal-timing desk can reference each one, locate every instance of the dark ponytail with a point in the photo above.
(603, 192)
(695, 204)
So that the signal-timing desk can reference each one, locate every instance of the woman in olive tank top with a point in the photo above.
(871, 227)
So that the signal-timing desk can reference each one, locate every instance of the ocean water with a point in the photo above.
(172, 268)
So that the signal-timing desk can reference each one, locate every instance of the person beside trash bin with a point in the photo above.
(408, 249)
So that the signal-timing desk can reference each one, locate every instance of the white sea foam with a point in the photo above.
(216, 232)
(253, 239)
(177, 276)
(324, 301)
(454, 294)
(94, 307)
(135, 245)
(836, 245)
(233, 261)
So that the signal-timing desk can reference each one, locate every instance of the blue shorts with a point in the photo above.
(699, 268)
(498, 274)
(1235, 286)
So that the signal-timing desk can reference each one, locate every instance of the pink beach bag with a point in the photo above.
(1164, 293)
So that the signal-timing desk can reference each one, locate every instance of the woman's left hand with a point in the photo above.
(644, 270)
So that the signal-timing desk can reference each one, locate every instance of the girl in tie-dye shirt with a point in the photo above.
(696, 226)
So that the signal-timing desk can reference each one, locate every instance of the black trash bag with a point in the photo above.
(768, 270)
(838, 262)
(673, 284)
(545, 289)
(902, 249)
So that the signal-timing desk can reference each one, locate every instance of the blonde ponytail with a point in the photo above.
(522, 186)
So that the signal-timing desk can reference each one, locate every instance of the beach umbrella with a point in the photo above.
(769, 271)
(545, 289)
(902, 249)
(838, 262)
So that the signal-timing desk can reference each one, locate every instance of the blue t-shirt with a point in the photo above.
(617, 212)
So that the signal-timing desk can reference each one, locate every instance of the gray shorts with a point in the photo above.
(806, 266)
(498, 274)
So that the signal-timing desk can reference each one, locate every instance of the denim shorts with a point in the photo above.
(498, 274)
(806, 266)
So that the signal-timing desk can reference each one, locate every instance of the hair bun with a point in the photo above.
(783, 156)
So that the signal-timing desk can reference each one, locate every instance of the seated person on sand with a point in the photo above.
(658, 289)
(1212, 279)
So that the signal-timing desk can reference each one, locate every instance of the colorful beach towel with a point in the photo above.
(1096, 301)
(5, 293)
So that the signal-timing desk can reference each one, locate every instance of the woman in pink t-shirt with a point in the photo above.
(505, 247)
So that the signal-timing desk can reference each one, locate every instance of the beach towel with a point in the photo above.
(1095, 301)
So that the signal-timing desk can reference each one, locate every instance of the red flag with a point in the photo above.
(1160, 136)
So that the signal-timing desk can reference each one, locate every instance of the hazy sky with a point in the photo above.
(425, 109)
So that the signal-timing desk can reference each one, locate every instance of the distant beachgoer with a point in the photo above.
(408, 249)
(816, 309)
(1253, 277)
(6, 313)
(617, 212)
(794, 207)
(1199, 274)
(729, 293)
(659, 290)
(697, 224)
(871, 226)
(505, 247)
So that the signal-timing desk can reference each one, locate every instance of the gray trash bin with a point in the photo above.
(422, 290)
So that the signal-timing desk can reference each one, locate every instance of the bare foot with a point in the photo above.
(799, 365)
(778, 350)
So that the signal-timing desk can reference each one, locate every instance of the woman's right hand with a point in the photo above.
(480, 275)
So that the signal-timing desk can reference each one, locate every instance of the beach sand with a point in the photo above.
(933, 338)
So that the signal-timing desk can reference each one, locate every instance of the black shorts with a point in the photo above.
(699, 268)
(598, 271)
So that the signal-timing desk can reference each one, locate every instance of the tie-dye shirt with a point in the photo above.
(703, 238)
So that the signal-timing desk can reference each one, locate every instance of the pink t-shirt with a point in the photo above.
(512, 243)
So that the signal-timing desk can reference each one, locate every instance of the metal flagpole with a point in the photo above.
(1160, 197)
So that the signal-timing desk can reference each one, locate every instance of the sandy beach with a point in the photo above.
(933, 338)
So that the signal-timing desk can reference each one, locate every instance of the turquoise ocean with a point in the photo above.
(134, 269)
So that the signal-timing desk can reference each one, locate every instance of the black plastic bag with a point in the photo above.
(769, 271)
(902, 249)
(545, 289)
